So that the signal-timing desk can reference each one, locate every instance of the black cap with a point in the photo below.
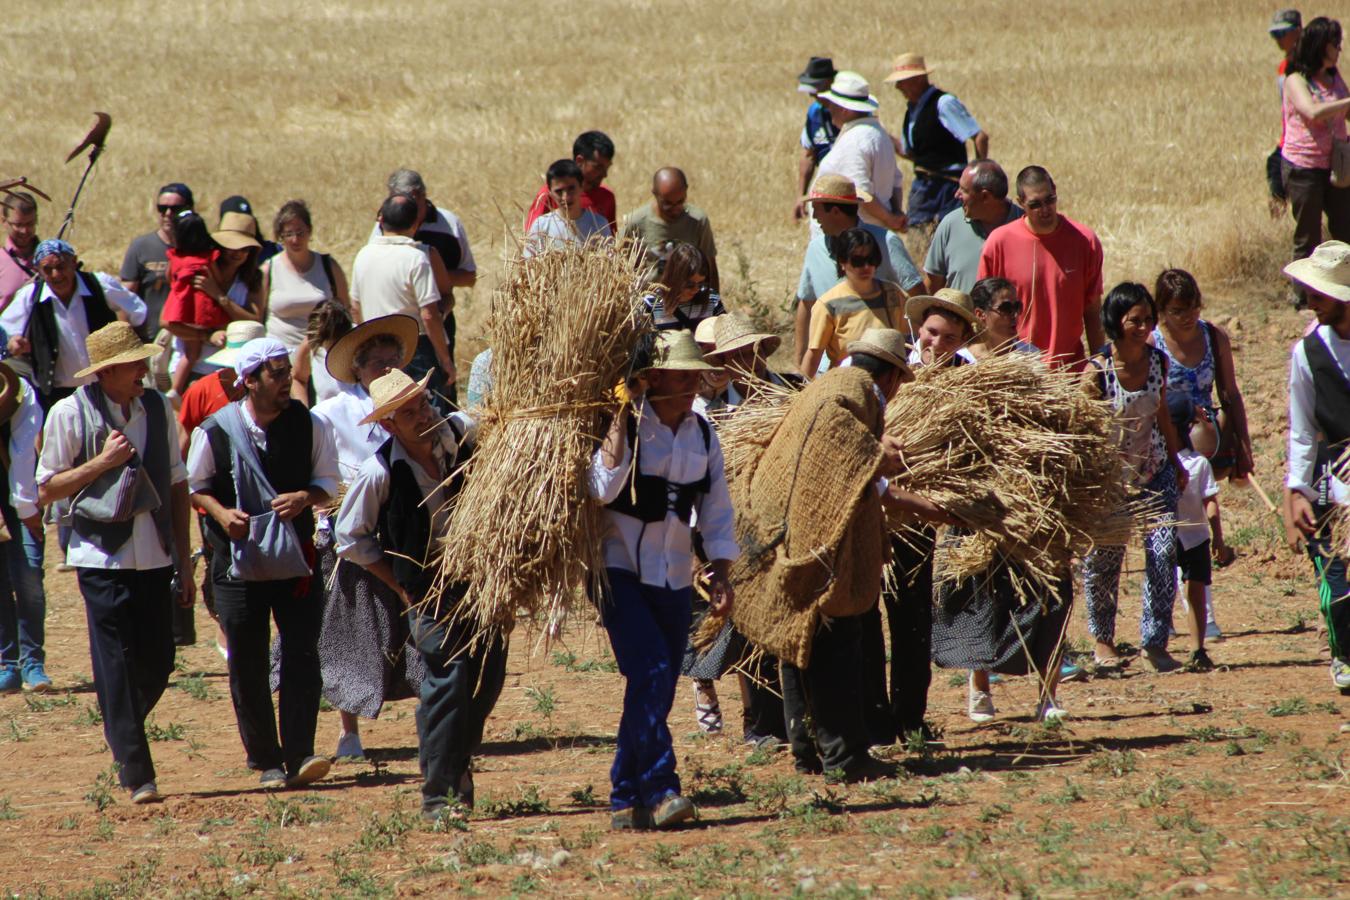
(820, 70)
(1285, 20)
(237, 204)
(177, 187)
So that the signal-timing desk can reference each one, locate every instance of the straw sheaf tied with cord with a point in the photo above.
(523, 534)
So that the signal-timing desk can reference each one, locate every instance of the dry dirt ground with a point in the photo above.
(1230, 782)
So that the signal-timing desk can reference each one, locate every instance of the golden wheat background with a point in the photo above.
(1154, 117)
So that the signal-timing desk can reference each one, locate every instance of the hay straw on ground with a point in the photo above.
(1011, 447)
(524, 534)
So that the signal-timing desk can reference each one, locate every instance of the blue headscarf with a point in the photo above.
(50, 247)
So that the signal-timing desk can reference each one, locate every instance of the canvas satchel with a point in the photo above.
(271, 551)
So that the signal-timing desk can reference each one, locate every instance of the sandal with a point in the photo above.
(707, 710)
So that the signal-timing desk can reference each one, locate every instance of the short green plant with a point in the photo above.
(528, 803)
(195, 686)
(89, 716)
(1292, 706)
(385, 832)
(171, 732)
(101, 794)
(586, 796)
(46, 702)
(7, 811)
(1116, 763)
(544, 700)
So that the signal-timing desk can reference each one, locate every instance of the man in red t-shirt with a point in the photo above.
(1056, 265)
(594, 152)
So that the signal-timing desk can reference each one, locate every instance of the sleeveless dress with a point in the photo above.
(292, 297)
(1135, 428)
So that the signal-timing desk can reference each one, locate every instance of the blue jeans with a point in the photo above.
(648, 629)
(23, 602)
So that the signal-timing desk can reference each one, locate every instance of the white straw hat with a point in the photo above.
(1327, 271)
(851, 91)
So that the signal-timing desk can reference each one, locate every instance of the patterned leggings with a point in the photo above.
(1101, 574)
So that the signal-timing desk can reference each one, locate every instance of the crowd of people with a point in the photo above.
(309, 422)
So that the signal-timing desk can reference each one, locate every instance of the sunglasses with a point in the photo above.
(1034, 205)
(1009, 308)
(170, 208)
(862, 262)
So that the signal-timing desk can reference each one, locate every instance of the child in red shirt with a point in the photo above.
(189, 312)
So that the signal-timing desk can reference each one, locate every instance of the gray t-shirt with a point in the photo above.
(955, 251)
(819, 273)
(658, 235)
(146, 263)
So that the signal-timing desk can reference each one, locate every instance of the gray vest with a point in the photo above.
(104, 511)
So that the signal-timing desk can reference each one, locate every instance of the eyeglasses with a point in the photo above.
(290, 235)
(863, 262)
(165, 208)
(1033, 205)
(1009, 308)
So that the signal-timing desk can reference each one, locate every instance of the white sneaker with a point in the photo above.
(349, 746)
(1212, 632)
(981, 707)
(1050, 711)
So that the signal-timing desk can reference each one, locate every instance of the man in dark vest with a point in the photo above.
(390, 518)
(1319, 435)
(111, 466)
(283, 461)
(937, 127)
(49, 321)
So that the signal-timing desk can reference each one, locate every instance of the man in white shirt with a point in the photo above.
(392, 274)
(863, 152)
(264, 459)
(125, 541)
(649, 563)
(1319, 434)
(49, 321)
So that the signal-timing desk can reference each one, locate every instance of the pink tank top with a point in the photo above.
(1307, 144)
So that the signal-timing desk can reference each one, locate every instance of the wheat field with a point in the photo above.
(1153, 117)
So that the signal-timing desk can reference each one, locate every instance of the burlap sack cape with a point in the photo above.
(809, 519)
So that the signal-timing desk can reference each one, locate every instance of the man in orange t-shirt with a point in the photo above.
(1056, 265)
(593, 151)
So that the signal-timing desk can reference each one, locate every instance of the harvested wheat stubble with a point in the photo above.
(1013, 448)
(524, 534)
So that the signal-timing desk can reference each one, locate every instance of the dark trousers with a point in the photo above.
(131, 648)
(761, 701)
(876, 699)
(1311, 196)
(458, 692)
(930, 199)
(443, 394)
(648, 629)
(909, 614)
(1336, 605)
(830, 691)
(243, 608)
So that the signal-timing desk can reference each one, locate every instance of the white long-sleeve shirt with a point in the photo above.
(1303, 431)
(25, 430)
(72, 327)
(661, 553)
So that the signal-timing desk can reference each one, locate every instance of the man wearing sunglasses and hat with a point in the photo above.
(863, 152)
(1319, 435)
(110, 469)
(658, 471)
(257, 467)
(388, 525)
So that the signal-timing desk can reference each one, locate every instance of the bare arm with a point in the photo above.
(117, 450)
(1297, 93)
(1092, 324)
(183, 542)
(1230, 397)
(340, 292)
(906, 502)
(234, 521)
(616, 440)
(300, 373)
(933, 283)
(382, 570)
(1169, 433)
(893, 221)
(435, 328)
(461, 278)
(806, 165)
(981, 142)
(811, 363)
(801, 329)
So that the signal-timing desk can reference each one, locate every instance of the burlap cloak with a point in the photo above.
(809, 519)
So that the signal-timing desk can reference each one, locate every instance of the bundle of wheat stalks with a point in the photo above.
(1340, 516)
(523, 533)
(1018, 452)
(1013, 448)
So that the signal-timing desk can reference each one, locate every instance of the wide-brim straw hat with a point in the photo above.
(1327, 271)
(959, 302)
(836, 189)
(886, 344)
(677, 351)
(342, 354)
(392, 390)
(907, 66)
(706, 332)
(237, 334)
(11, 392)
(734, 332)
(237, 231)
(114, 344)
(851, 91)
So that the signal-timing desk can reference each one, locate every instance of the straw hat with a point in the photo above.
(885, 344)
(916, 308)
(836, 189)
(237, 334)
(238, 231)
(114, 344)
(1327, 271)
(706, 332)
(851, 91)
(677, 351)
(11, 392)
(907, 66)
(734, 332)
(391, 391)
(342, 354)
